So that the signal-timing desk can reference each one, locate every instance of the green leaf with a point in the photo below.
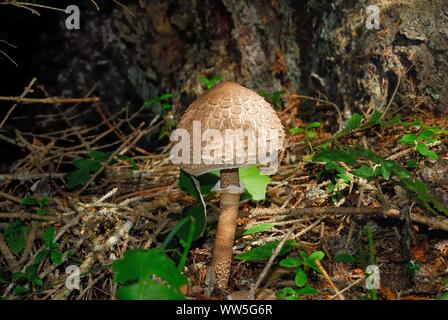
(334, 156)
(166, 96)
(291, 262)
(364, 171)
(354, 122)
(409, 139)
(99, 155)
(306, 290)
(20, 290)
(77, 178)
(313, 125)
(264, 252)
(29, 201)
(44, 201)
(386, 169)
(262, 227)
(412, 164)
(334, 166)
(443, 296)
(41, 255)
(427, 135)
(375, 118)
(166, 106)
(41, 212)
(296, 130)
(148, 290)
(400, 171)
(254, 182)
(310, 134)
(56, 257)
(87, 165)
(207, 182)
(142, 264)
(285, 292)
(316, 255)
(200, 222)
(344, 258)
(423, 150)
(15, 236)
(48, 237)
(301, 278)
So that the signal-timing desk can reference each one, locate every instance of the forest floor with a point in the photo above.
(133, 201)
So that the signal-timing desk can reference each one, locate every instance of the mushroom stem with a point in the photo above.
(225, 233)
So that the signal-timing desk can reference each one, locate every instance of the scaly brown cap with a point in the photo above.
(229, 107)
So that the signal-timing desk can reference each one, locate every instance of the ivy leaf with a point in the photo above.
(15, 236)
(264, 252)
(423, 150)
(254, 183)
(301, 278)
(143, 264)
(262, 227)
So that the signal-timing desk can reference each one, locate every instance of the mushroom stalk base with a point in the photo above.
(225, 233)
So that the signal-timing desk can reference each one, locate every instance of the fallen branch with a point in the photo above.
(432, 222)
(51, 100)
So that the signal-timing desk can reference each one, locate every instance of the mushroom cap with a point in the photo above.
(229, 107)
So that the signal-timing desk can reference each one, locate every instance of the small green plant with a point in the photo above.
(210, 83)
(30, 277)
(309, 132)
(162, 101)
(366, 164)
(15, 236)
(275, 98)
(41, 203)
(152, 274)
(85, 168)
(303, 264)
(420, 141)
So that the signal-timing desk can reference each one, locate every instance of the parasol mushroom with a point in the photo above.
(227, 128)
